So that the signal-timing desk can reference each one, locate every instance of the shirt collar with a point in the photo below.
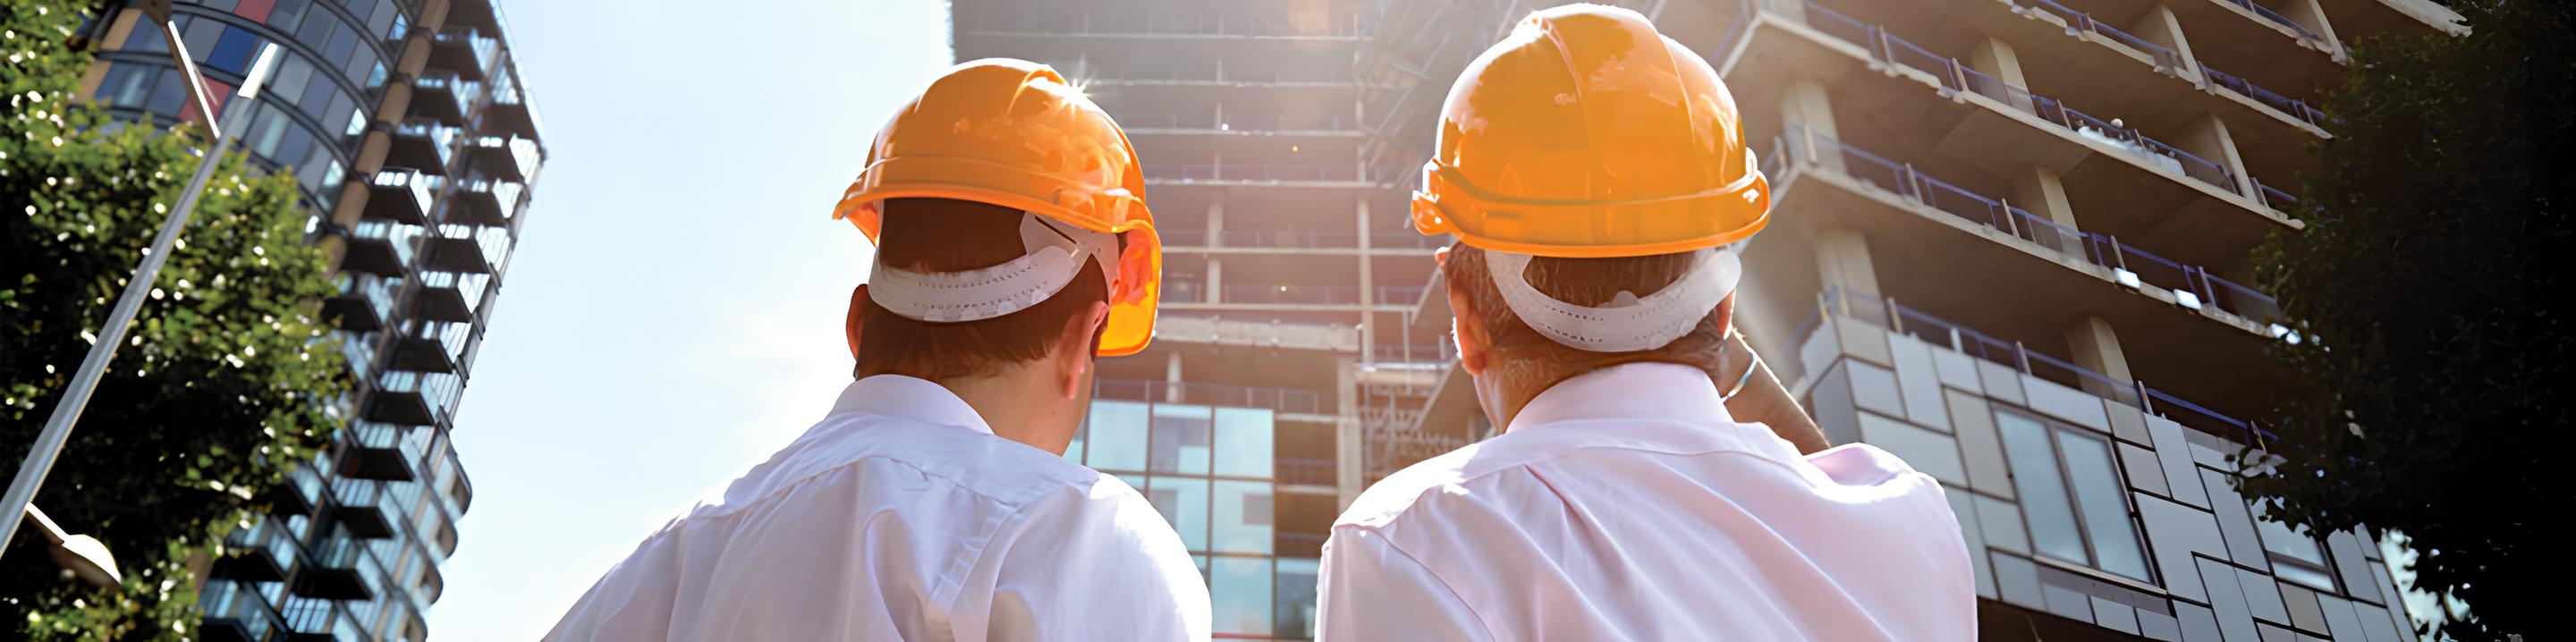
(1645, 390)
(910, 398)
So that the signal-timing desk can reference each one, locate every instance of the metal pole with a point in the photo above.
(58, 427)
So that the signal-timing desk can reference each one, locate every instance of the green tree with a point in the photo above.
(228, 380)
(2437, 238)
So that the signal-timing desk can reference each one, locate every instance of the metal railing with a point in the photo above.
(1342, 24)
(1805, 146)
(484, 49)
(1956, 76)
(2165, 58)
(2267, 13)
(2294, 108)
(1291, 294)
(1278, 399)
(1249, 173)
(1239, 122)
(2279, 201)
(1890, 315)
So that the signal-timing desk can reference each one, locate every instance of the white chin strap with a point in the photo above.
(1056, 252)
(1627, 323)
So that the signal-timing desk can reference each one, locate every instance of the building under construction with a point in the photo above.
(2011, 245)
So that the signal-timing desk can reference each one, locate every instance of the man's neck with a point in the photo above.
(1019, 404)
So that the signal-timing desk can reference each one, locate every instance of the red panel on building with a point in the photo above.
(255, 10)
(221, 92)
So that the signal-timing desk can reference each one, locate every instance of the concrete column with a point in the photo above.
(1842, 262)
(2207, 138)
(1172, 375)
(2038, 189)
(1350, 445)
(2098, 350)
(1805, 104)
(1215, 292)
(1996, 58)
(2161, 27)
(1368, 289)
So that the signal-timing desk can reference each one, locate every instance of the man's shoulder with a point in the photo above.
(1501, 461)
(898, 449)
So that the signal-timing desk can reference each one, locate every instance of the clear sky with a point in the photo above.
(673, 312)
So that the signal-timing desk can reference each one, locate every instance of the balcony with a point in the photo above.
(265, 552)
(509, 157)
(1209, 124)
(380, 452)
(344, 571)
(297, 495)
(358, 507)
(1297, 242)
(1266, 334)
(463, 51)
(1165, 23)
(467, 249)
(1282, 400)
(444, 97)
(400, 195)
(381, 248)
(423, 144)
(363, 301)
(431, 346)
(236, 611)
(1244, 174)
(1835, 306)
(413, 398)
(451, 296)
(483, 201)
(2104, 258)
(509, 112)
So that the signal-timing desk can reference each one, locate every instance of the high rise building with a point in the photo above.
(416, 145)
(1289, 275)
(2012, 245)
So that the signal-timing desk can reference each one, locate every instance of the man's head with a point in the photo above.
(1045, 351)
(1512, 362)
(1592, 170)
(1014, 245)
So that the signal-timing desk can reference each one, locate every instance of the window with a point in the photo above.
(1117, 436)
(2072, 496)
(1243, 442)
(1181, 439)
(293, 74)
(1243, 515)
(126, 84)
(232, 50)
(1239, 594)
(169, 95)
(1183, 501)
(2295, 554)
(286, 15)
(1295, 603)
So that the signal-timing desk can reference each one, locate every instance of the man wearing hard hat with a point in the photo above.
(1599, 185)
(934, 503)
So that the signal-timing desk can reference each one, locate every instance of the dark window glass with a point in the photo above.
(1296, 597)
(146, 37)
(341, 110)
(2104, 502)
(169, 94)
(360, 9)
(2044, 499)
(267, 129)
(361, 63)
(1181, 439)
(344, 41)
(299, 141)
(316, 31)
(232, 50)
(288, 14)
(381, 22)
(201, 36)
(317, 96)
(220, 5)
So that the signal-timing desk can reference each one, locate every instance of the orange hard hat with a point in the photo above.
(1012, 133)
(1586, 134)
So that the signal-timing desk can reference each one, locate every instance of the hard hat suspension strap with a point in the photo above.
(1056, 254)
(1628, 323)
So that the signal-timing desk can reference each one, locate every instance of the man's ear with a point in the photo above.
(858, 313)
(1475, 347)
(1074, 346)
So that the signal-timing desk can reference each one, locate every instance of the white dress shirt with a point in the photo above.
(902, 516)
(1626, 504)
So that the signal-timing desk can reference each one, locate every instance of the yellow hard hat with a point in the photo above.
(1012, 133)
(1586, 134)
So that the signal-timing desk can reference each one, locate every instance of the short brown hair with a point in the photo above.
(1522, 352)
(945, 235)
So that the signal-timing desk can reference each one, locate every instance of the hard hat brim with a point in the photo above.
(1450, 204)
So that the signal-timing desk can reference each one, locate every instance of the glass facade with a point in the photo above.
(352, 548)
(1208, 470)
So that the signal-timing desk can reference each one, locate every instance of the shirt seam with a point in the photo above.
(1551, 457)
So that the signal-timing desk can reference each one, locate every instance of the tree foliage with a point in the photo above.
(2436, 236)
(228, 379)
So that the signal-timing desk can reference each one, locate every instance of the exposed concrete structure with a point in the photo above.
(2010, 244)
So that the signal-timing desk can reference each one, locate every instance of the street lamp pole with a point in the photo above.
(67, 411)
